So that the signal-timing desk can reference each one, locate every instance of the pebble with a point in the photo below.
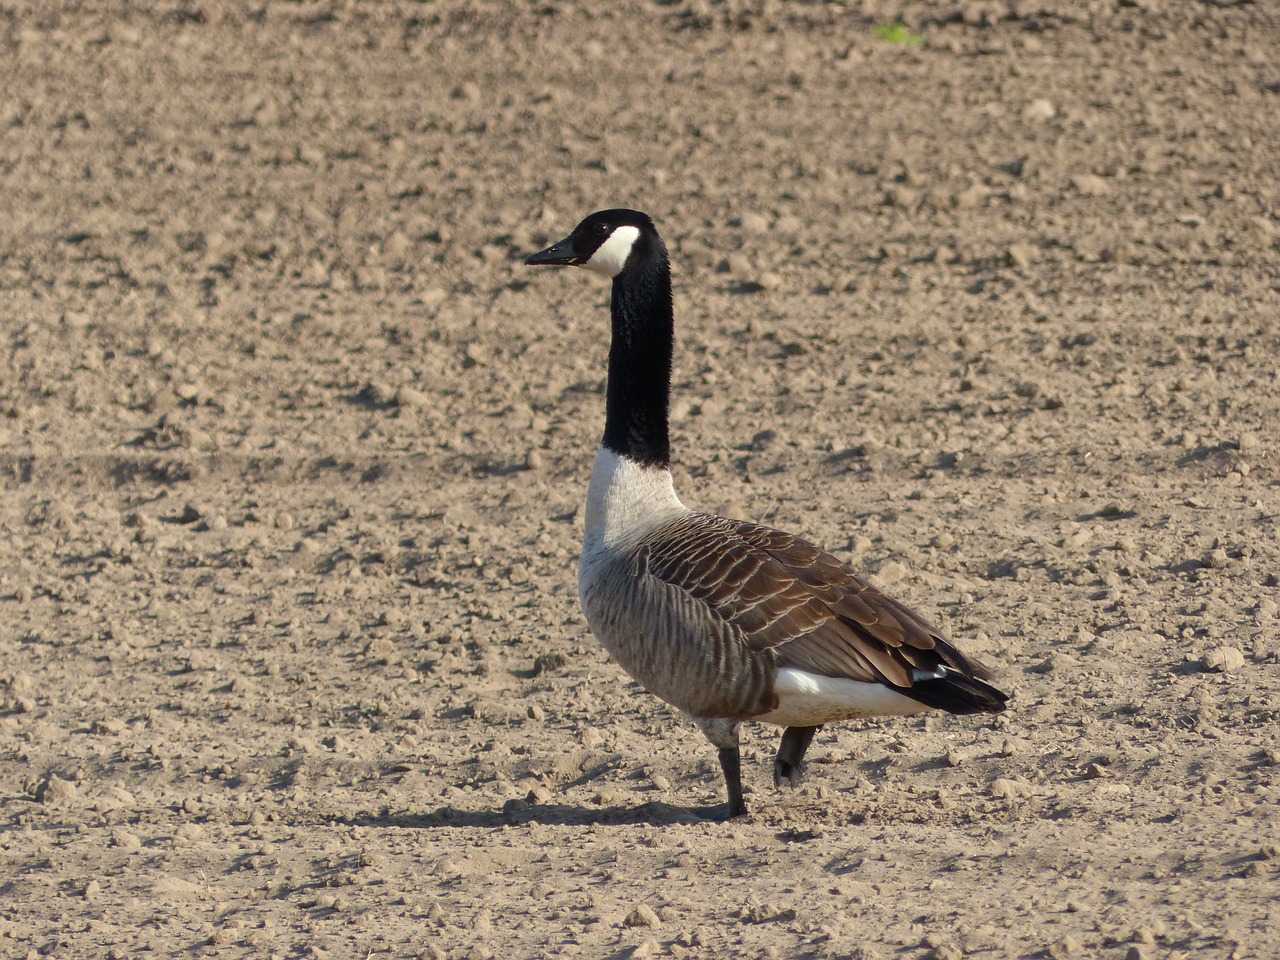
(971, 197)
(1039, 110)
(1066, 947)
(891, 572)
(766, 912)
(1005, 789)
(54, 790)
(1023, 254)
(1223, 660)
(1091, 185)
(1214, 559)
(411, 397)
(125, 840)
(642, 916)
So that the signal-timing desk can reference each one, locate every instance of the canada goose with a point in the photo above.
(725, 620)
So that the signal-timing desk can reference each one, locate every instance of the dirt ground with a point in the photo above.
(294, 450)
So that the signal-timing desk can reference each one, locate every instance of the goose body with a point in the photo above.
(727, 620)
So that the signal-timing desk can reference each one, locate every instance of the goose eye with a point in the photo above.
(600, 229)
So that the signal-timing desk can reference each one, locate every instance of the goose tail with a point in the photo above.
(956, 693)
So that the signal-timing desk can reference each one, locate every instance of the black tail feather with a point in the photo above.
(956, 693)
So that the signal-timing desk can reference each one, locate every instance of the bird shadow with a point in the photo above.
(550, 814)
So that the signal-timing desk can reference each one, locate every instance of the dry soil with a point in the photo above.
(294, 448)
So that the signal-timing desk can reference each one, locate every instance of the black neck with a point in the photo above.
(639, 388)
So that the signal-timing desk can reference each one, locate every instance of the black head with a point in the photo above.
(602, 243)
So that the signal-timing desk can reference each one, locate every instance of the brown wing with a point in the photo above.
(785, 595)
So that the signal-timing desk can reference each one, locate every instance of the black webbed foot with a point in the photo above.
(789, 763)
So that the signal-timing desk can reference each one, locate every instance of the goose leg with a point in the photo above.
(788, 763)
(724, 735)
(731, 764)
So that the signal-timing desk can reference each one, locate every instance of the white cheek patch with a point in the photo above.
(611, 256)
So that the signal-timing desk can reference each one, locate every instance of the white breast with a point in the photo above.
(626, 500)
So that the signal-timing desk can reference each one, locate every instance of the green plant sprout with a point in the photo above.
(899, 34)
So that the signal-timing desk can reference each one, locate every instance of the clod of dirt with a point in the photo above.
(55, 791)
(1223, 660)
(642, 916)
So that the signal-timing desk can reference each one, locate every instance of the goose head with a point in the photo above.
(603, 243)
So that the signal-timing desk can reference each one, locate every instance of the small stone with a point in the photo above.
(971, 197)
(1214, 559)
(54, 790)
(549, 663)
(1091, 185)
(1066, 947)
(1223, 660)
(411, 397)
(642, 916)
(1004, 789)
(1039, 110)
(1023, 254)
(891, 572)
(92, 890)
(125, 840)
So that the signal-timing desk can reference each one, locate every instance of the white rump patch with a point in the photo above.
(612, 255)
(806, 699)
